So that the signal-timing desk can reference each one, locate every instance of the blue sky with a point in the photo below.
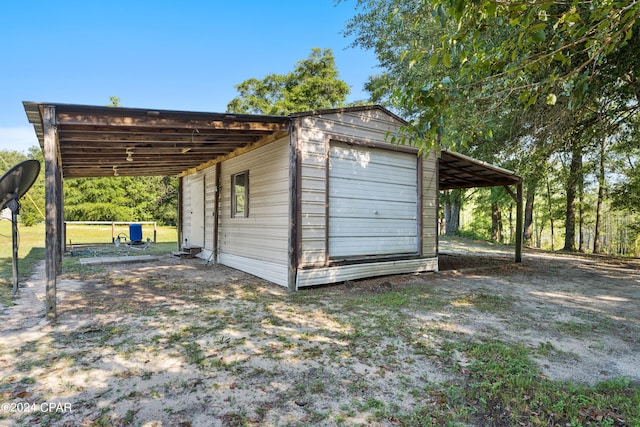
(176, 55)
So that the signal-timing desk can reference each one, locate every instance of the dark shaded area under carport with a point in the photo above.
(457, 253)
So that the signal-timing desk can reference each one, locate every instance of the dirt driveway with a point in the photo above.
(176, 342)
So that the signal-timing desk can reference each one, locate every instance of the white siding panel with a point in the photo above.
(335, 274)
(430, 206)
(359, 127)
(210, 194)
(257, 243)
(271, 271)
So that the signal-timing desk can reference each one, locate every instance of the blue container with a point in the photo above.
(135, 232)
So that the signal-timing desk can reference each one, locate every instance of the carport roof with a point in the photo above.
(97, 141)
(459, 171)
(107, 141)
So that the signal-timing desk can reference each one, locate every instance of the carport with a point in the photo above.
(92, 141)
(457, 171)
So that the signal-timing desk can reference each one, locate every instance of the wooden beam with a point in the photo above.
(147, 135)
(97, 150)
(156, 120)
(52, 194)
(60, 217)
(242, 150)
(513, 195)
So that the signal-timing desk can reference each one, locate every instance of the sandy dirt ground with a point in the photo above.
(175, 342)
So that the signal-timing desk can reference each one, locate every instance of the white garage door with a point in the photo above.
(373, 197)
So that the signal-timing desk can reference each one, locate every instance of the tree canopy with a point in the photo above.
(564, 53)
(313, 84)
(547, 88)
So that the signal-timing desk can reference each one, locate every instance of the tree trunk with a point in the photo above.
(447, 210)
(538, 229)
(455, 202)
(512, 232)
(582, 244)
(553, 237)
(496, 222)
(572, 186)
(596, 234)
(528, 212)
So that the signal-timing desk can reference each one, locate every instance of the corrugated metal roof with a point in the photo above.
(459, 171)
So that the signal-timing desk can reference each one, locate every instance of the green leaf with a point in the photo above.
(537, 27)
(491, 9)
(539, 36)
(551, 99)
(446, 60)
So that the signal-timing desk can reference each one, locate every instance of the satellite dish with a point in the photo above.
(13, 185)
(17, 181)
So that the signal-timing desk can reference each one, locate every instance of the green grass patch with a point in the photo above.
(573, 328)
(508, 389)
(31, 250)
(486, 303)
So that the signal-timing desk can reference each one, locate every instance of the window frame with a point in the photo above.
(235, 213)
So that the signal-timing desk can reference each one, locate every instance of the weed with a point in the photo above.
(573, 328)
(545, 348)
(193, 352)
(235, 419)
(317, 386)
(486, 303)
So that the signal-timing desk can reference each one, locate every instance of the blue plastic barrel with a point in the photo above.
(135, 232)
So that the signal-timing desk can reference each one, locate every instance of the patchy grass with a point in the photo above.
(31, 250)
(181, 343)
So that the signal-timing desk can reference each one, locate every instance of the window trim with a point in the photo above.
(234, 196)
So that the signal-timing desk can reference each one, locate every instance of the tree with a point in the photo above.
(312, 85)
(391, 28)
(114, 101)
(530, 51)
(509, 82)
(140, 198)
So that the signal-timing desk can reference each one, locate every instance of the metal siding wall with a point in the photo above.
(263, 236)
(430, 206)
(209, 195)
(364, 127)
(372, 202)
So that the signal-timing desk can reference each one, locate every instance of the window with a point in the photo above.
(240, 195)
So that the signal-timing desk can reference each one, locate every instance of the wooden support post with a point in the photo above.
(519, 222)
(59, 215)
(180, 215)
(52, 193)
(216, 213)
(294, 206)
